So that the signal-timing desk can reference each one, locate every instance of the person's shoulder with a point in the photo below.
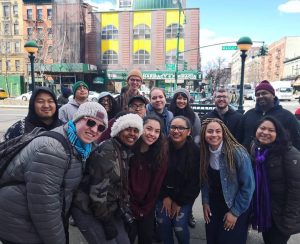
(17, 129)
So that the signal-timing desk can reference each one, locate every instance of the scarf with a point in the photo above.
(261, 202)
(83, 149)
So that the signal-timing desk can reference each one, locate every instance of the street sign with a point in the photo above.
(170, 67)
(229, 47)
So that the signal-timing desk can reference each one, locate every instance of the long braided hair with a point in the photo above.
(230, 144)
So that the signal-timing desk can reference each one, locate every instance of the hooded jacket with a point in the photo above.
(67, 111)
(249, 120)
(32, 120)
(30, 212)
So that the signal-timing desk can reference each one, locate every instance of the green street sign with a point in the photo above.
(229, 47)
(170, 67)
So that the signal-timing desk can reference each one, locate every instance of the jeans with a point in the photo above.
(92, 229)
(178, 224)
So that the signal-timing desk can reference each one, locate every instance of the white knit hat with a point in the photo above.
(126, 121)
(91, 109)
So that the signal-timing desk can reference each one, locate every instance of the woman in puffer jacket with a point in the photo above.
(276, 200)
(40, 180)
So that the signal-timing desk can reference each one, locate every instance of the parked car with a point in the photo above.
(3, 94)
(25, 96)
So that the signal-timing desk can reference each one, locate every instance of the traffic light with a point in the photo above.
(185, 63)
(263, 51)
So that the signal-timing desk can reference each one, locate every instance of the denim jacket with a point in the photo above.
(237, 184)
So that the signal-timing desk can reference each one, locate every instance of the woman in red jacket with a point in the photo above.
(148, 167)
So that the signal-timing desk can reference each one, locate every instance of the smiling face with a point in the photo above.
(106, 103)
(179, 131)
(221, 100)
(129, 136)
(214, 135)
(138, 107)
(266, 132)
(44, 106)
(264, 98)
(151, 131)
(181, 102)
(81, 93)
(134, 83)
(86, 133)
(157, 100)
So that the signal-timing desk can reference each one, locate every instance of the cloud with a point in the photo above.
(101, 5)
(211, 53)
(292, 6)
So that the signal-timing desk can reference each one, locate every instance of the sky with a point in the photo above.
(228, 20)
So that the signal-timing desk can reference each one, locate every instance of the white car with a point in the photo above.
(25, 96)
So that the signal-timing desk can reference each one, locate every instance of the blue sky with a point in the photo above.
(227, 20)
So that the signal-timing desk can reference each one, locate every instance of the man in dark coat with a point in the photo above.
(42, 112)
(224, 111)
(267, 104)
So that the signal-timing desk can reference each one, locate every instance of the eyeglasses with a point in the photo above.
(221, 97)
(137, 106)
(133, 80)
(179, 128)
(91, 123)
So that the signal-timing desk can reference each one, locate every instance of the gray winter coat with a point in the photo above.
(30, 212)
(67, 111)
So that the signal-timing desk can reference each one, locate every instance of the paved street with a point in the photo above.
(9, 115)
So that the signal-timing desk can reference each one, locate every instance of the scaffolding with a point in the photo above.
(68, 31)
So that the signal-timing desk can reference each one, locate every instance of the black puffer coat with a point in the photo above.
(284, 178)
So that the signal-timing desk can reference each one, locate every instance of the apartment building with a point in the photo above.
(11, 45)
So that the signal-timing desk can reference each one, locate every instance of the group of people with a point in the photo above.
(138, 164)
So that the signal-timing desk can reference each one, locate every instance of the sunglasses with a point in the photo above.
(91, 123)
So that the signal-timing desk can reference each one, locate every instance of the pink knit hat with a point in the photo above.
(265, 85)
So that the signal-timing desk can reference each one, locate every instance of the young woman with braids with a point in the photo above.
(181, 185)
(228, 184)
(276, 201)
(147, 169)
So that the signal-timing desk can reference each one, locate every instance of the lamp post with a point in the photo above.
(178, 38)
(244, 44)
(31, 47)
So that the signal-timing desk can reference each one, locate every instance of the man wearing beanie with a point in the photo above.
(36, 207)
(267, 104)
(133, 84)
(80, 95)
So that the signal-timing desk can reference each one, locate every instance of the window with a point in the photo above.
(29, 32)
(141, 32)
(6, 11)
(8, 48)
(29, 14)
(171, 57)
(15, 10)
(49, 13)
(8, 65)
(109, 32)
(50, 33)
(16, 29)
(40, 31)
(141, 57)
(6, 29)
(17, 47)
(50, 50)
(39, 14)
(171, 31)
(125, 3)
(110, 57)
(17, 65)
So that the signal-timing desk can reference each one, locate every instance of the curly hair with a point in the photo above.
(230, 144)
(158, 151)
(186, 112)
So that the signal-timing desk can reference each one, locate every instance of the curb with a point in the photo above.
(13, 106)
